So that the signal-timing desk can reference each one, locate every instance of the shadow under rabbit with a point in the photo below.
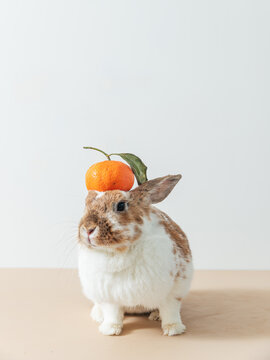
(227, 313)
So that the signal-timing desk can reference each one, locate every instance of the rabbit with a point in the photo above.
(133, 258)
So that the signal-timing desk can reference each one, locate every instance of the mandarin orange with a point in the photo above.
(109, 175)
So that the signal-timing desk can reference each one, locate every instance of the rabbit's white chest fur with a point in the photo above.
(141, 276)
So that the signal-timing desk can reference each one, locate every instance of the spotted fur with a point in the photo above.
(175, 232)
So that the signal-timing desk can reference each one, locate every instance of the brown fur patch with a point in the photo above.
(176, 234)
(90, 197)
(138, 208)
(121, 248)
(137, 232)
(182, 267)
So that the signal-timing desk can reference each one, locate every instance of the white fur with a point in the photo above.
(139, 277)
(99, 194)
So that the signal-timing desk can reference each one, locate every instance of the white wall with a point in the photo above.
(184, 85)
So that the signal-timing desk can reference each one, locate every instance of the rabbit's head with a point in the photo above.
(113, 219)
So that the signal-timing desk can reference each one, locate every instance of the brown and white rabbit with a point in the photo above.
(133, 257)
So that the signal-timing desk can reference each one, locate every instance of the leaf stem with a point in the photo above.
(103, 152)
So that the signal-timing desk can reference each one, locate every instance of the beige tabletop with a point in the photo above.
(43, 316)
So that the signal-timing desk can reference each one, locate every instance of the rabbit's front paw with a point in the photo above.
(97, 314)
(154, 315)
(110, 329)
(173, 329)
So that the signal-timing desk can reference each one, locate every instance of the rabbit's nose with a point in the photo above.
(90, 231)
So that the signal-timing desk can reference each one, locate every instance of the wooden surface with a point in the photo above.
(43, 316)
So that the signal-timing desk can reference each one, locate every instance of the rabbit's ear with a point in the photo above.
(158, 189)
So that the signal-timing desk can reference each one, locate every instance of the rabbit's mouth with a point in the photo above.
(86, 236)
(91, 244)
(91, 234)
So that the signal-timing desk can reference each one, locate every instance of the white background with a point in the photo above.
(184, 85)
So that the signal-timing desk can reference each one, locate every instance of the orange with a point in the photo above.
(109, 175)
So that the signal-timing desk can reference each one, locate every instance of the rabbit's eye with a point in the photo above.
(121, 206)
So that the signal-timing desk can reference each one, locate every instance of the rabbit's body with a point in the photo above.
(144, 275)
(153, 271)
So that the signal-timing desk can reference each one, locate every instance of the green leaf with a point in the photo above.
(137, 166)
